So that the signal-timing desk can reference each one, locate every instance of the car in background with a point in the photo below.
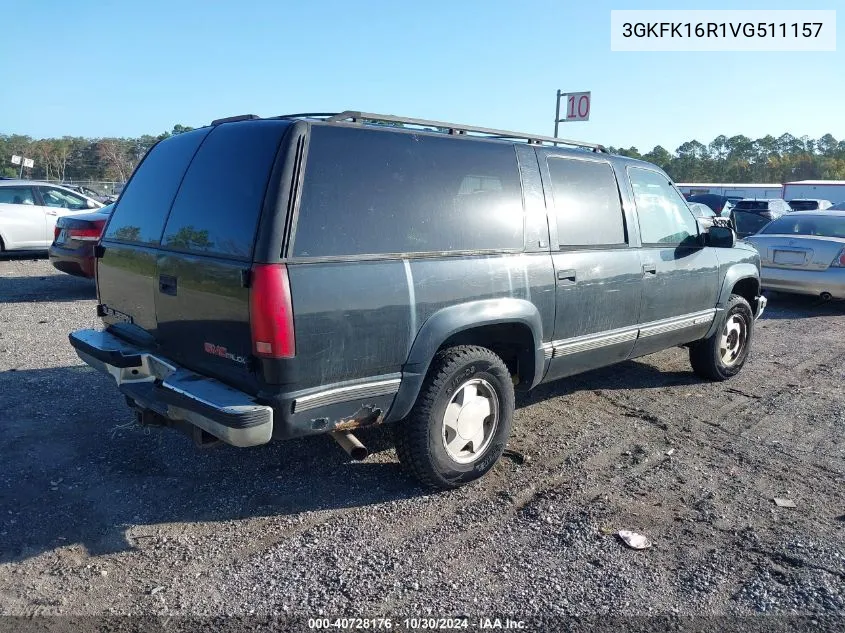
(804, 253)
(750, 215)
(29, 210)
(703, 214)
(809, 204)
(75, 238)
(91, 193)
(839, 206)
(714, 201)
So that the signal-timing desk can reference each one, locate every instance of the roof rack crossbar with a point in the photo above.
(356, 116)
(307, 115)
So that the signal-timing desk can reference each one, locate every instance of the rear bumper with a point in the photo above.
(180, 395)
(73, 261)
(806, 282)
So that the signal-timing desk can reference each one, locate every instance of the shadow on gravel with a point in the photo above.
(786, 306)
(631, 374)
(75, 470)
(57, 287)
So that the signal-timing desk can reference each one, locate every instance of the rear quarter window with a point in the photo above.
(143, 206)
(219, 203)
(371, 191)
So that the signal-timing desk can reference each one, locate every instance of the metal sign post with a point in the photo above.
(577, 107)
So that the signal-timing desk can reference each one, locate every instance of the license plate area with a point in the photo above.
(790, 258)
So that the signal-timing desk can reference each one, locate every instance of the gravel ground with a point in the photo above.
(98, 516)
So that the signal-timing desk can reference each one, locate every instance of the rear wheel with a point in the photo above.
(724, 353)
(461, 421)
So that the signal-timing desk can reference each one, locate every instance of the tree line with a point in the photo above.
(741, 159)
(724, 159)
(75, 158)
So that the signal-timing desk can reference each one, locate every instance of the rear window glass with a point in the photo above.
(747, 223)
(753, 205)
(819, 225)
(140, 214)
(587, 204)
(370, 191)
(804, 205)
(219, 203)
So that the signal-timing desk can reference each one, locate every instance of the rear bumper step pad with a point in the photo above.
(177, 393)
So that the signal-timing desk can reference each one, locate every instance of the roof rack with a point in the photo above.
(355, 116)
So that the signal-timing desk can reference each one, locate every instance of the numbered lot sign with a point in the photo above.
(577, 106)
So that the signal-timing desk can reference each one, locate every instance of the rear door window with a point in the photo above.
(143, 206)
(16, 195)
(370, 191)
(218, 205)
(587, 203)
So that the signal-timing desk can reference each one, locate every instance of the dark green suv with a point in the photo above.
(271, 278)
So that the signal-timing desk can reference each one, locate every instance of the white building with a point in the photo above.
(742, 190)
(833, 190)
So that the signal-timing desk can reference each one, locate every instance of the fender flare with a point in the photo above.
(735, 274)
(455, 319)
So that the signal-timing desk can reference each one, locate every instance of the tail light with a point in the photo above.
(88, 234)
(271, 312)
(839, 262)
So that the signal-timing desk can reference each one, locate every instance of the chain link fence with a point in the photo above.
(105, 187)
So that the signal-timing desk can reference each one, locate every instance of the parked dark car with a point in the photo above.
(750, 215)
(75, 240)
(272, 278)
(809, 204)
(712, 200)
(91, 193)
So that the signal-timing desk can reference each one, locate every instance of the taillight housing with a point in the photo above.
(88, 234)
(839, 262)
(271, 312)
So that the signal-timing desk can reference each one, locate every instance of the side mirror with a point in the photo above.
(721, 237)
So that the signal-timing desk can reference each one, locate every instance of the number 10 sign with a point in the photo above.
(576, 107)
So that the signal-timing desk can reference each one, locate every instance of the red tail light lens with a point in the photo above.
(56, 231)
(271, 312)
(85, 235)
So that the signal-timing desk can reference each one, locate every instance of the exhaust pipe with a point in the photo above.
(350, 444)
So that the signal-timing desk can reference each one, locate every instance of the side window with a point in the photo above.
(219, 203)
(143, 207)
(587, 203)
(16, 195)
(371, 191)
(664, 216)
(61, 198)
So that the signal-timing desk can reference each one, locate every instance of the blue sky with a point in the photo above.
(111, 68)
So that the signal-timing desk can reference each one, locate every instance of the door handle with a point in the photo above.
(566, 275)
(649, 270)
(51, 213)
(167, 285)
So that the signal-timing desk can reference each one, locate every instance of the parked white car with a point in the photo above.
(29, 210)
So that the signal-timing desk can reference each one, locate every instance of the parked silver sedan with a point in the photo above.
(804, 253)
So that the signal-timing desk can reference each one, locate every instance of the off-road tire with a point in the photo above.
(705, 356)
(419, 442)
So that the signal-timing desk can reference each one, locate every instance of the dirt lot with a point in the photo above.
(99, 516)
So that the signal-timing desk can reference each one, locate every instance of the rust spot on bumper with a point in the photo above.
(367, 415)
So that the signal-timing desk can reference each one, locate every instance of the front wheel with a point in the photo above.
(461, 421)
(724, 352)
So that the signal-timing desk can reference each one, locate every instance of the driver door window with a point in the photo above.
(665, 218)
(62, 199)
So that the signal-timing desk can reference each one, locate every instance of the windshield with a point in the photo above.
(819, 225)
(749, 223)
